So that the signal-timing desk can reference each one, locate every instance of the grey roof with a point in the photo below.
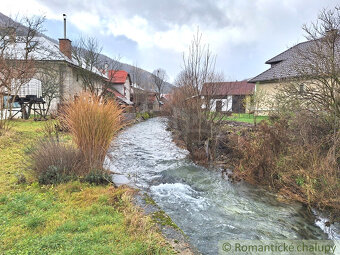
(286, 54)
(287, 64)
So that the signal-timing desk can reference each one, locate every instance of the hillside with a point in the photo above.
(146, 82)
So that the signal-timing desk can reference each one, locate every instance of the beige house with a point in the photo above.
(284, 68)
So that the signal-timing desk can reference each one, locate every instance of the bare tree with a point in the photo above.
(159, 78)
(52, 79)
(140, 94)
(315, 87)
(255, 102)
(17, 65)
(93, 67)
(192, 111)
(317, 66)
(137, 75)
(86, 52)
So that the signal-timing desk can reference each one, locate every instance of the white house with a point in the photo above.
(120, 86)
(227, 96)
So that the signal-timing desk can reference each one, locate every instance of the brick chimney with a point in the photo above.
(65, 47)
(65, 44)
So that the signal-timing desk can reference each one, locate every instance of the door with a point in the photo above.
(238, 104)
(218, 105)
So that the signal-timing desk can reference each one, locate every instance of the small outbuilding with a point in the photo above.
(228, 96)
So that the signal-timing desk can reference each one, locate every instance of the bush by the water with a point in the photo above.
(298, 156)
(55, 175)
(98, 176)
(144, 115)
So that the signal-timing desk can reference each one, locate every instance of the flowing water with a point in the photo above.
(205, 206)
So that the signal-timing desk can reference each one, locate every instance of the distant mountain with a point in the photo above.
(146, 76)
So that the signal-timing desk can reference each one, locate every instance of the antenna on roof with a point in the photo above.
(64, 15)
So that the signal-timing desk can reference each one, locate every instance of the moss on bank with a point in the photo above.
(162, 218)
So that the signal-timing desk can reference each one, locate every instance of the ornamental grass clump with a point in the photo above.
(92, 123)
(55, 162)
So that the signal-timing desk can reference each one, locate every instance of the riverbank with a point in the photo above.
(240, 151)
(206, 207)
(172, 233)
(272, 157)
(68, 218)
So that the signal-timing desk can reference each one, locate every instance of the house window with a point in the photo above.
(302, 89)
(77, 78)
(6, 103)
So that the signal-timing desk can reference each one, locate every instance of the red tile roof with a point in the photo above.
(117, 76)
(228, 88)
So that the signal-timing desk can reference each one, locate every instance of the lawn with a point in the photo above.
(70, 218)
(245, 117)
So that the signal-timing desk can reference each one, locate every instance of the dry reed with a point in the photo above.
(92, 123)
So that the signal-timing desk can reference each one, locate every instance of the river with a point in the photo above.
(206, 207)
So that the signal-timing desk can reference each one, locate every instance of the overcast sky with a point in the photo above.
(155, 33)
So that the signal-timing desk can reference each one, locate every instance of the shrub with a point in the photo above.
(144, 115)
(52, 128)
(98, 177)
(298, 156)
(54, 162)
(92, 123)
(55, 175)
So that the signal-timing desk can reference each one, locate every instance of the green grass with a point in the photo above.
(245, 117)
(71, 218)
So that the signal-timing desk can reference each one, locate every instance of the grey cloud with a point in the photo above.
(267, 28)
(161, 14)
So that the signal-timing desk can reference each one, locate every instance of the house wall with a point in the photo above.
(226, 104)
(120, 89)
(127, 86)
(270, 91)
(71, 84)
